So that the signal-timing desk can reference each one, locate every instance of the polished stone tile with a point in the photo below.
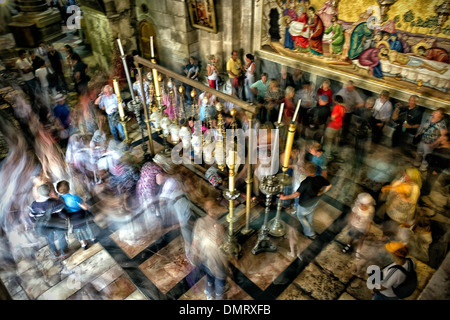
(197, 291)
(119, 289)
(136, 295)
(136, 242)
(324, 216)
(292, 292)
(80, 275)
(109, 276)
(166, 268)
(262, 269)
(319, 284)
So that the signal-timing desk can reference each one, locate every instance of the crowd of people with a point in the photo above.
(97, 163)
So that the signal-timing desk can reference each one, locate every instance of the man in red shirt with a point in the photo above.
(333, 130)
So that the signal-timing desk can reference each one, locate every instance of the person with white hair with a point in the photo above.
(109, 102)
(361, 218)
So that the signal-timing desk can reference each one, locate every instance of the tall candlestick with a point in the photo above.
(280, 115)
(296, 110)
(119, 99)
(151, 47)
(120, 47)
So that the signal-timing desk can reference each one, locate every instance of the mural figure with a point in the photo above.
(337, 38)
(395, 43)
(359, 36)
(317, 30)
(371, 58)
(408, 60)
(424, 50)
(290, 14)
(327, 12)
(299, 30)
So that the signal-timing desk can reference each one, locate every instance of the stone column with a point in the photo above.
(36, 22)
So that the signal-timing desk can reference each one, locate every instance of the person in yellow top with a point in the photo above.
(234, 69)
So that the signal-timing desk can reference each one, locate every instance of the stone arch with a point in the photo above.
(269, 6)
(145, 30)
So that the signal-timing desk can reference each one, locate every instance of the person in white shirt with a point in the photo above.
(41, 74)
(360, 220)
(109, 102)
(392, 277)
(382, 112)
(25, 67)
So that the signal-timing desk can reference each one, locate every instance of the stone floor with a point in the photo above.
(132, 263)
(129, 263)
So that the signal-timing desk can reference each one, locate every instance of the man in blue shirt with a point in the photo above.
(317, 156)
(108, 102)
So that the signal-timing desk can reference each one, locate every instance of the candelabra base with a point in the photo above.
(277, 227)
(247, 231)
(264, 244)
(232, 247)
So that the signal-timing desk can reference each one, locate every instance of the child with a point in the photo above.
(78, 213)
(360, 220)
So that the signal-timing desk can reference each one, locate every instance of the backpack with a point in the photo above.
(409, 285)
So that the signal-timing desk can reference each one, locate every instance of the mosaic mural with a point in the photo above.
(392, 40)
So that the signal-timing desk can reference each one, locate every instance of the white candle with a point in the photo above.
(296, 110)
(151, 47)
(280, 115)
(120, 47)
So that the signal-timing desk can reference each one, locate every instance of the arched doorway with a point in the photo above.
(145, 31)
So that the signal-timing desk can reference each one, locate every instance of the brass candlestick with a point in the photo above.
(249, 180)
(277, 227)
(231, 246)
(122, 116)
(147, 118)
(269, 186)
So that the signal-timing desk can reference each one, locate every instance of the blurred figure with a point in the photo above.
(382, 112)
(109, 102)
(147, 188)
(362, 131)
(213, 72)
(432, 132)
(401, 200)
(208, 236)
(392, 275)
(25, 67)
(249, 76)
(50, 221)
(317, 156)
(80, 77)
(353, 101)
(78, 214)
(173, 199)
(360, 220)
(325, 89)
(285, 79)
(334, 128)
(57, 64)
(309, 192)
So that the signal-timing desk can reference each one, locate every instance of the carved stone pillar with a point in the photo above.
(36, 22)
